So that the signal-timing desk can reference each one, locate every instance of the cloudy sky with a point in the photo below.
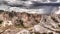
(24, 4)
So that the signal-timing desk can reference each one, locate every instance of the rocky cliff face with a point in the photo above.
(28, 17)
(25, 23)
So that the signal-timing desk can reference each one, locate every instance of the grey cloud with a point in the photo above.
(24, 3)
(9, 4)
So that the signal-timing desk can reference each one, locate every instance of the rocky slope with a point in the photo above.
(26, 23)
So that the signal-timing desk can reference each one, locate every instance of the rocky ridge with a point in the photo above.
(25, 23)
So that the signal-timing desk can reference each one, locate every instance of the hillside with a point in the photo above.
(26, 23)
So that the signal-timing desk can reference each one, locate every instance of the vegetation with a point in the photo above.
(1, 21)
(20, 24)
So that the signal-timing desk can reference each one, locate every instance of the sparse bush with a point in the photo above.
(1, 21)
(1, 11)
(19, 23)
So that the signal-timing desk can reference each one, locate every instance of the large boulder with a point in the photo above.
(24, 31)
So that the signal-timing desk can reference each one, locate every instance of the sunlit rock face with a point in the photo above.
(18, 18)
(48, 24)
(22, 22)
(7, 23)
(40, 29)
(11, 31)
(23, 32)
(32, 17)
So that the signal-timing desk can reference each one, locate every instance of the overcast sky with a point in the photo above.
(18, 4)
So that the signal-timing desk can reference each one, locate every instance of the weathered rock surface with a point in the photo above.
(49, 23)
(25, 23)
(23, 32)
(23, 19)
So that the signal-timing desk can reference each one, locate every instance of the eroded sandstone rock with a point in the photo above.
(41, 24)
(24, 32)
